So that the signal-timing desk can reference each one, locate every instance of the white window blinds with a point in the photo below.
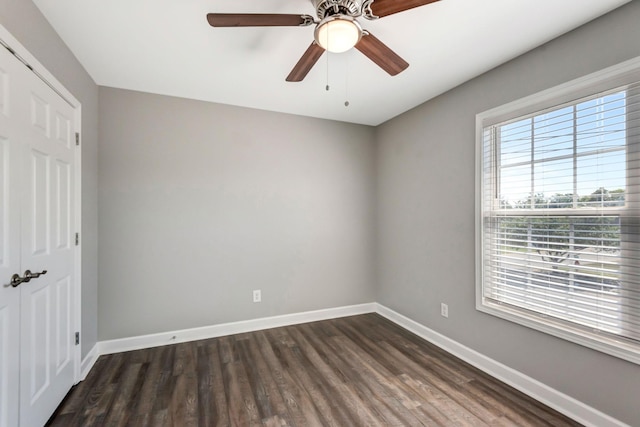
(560, 216)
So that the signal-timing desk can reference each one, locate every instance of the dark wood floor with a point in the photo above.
(354, 371)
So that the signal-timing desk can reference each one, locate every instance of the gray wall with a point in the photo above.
(25, 22)
(201, 203)
(426, 190)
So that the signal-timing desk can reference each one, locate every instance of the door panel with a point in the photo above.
(5, 180)
(39, 203)
(62, 344)
(40, 111)
(4, 91)
(8, 368)
(38, 339)
(64, 131)
(62, 205)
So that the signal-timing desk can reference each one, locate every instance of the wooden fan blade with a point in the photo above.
(380, 53)
(306, 63)
(258, 20)
(382, 8)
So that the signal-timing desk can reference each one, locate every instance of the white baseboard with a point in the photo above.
(88, 362)
(559, 401)
(185, 335)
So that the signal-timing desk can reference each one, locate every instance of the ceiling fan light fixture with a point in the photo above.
(338, 33)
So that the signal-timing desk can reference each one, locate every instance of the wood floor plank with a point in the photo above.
(387, 406)
(432, 378)
(117, 415)
(220, 404)
(207, 412)
(282, 378)
(374, 383)
(324, 363)
(439, 399)
(456, 414)
(313, 399)
(352, 371)
(271, 403)
(412, 351)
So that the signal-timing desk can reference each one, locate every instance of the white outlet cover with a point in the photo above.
(444, 310)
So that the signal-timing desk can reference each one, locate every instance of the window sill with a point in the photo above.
(593, 340)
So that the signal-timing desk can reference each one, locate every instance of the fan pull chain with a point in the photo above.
(327, 87)
(346, 82)
(328, 55)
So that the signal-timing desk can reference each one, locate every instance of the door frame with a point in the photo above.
(10, 42)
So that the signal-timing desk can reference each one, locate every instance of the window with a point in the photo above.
(559, 212)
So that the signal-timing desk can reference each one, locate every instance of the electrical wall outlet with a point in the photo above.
(444, 309)
(257, 295)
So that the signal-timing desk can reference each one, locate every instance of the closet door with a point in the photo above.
(40, 217)
(47, 336)
(10, 163)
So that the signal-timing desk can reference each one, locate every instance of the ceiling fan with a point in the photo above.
(337, 30)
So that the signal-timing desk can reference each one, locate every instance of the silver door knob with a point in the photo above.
(16, 280)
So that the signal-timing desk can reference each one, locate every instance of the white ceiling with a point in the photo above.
(167, 47)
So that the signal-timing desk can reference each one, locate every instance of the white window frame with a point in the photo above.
(612, 77)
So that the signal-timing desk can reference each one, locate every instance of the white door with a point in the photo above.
(10, 161)
(40, 125)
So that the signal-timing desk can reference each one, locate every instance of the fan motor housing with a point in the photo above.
(326, 8)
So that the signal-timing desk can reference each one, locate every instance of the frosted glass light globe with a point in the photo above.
(338, 33)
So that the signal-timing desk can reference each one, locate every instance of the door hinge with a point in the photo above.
(77, 338)
(77, 239)
(77, 138)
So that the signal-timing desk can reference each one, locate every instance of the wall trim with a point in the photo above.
(88, 362)
(561, 402)
(213, 331)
